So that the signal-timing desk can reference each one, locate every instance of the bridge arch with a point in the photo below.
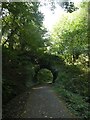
(54, 72)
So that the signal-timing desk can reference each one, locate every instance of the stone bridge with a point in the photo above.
(47, 61)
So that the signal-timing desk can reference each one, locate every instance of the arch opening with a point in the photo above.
(44, 75)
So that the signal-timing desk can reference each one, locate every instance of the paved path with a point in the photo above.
(42, 102)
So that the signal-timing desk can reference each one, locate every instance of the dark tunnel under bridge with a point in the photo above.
(54, 72)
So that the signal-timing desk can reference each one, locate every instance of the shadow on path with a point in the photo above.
(41, 102)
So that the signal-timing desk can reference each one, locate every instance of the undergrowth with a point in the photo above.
(72, 86)
(74, 102)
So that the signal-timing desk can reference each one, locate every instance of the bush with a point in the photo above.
(74, 102)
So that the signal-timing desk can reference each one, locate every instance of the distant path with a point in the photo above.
(41, 102)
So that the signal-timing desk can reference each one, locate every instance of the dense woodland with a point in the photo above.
(26, 47)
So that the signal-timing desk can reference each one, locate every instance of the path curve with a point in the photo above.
(42, 102)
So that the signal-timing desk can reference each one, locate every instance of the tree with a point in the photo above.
(22, 32)
(19, 22)
(69, 36)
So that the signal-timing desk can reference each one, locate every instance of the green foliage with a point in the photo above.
(44, 76)
(72, 86)
(8, 88)
(24, 49)
(74, 102)
(74, 79)
(69, 39)
(22, 26)
(22, 32)
(69, 36)
(30, 72)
